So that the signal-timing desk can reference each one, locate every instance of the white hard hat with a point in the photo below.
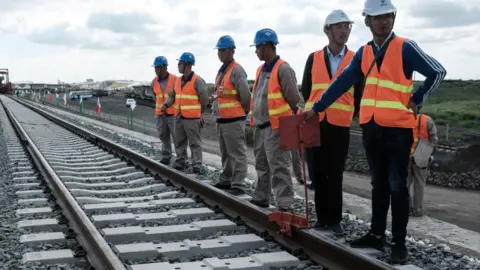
(337, 16)
(378, 7)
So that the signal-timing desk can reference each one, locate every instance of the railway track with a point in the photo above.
(128, 211)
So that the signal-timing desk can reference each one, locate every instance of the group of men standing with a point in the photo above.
(338, 84)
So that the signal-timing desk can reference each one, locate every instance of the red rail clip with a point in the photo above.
(294, 135)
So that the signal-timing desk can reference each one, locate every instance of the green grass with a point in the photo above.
(456, 104)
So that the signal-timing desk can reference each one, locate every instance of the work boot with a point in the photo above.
(197, 169)
(286, 209)
(165, 161)
(320, 225)
(235, 191)
(369, 241)
(260, 203)
(311, 186)
(337, 229)
(399, 254)
(300, 181)
(223, 185)
(416, 213)
(179, 167)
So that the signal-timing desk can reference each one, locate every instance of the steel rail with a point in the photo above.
(99, 253)
(320, 249)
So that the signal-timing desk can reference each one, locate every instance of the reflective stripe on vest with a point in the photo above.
(387, 93)
(229, 105)
(277, 105)
(186, 98)
(162, 94)
(420, 131)
(340, 113)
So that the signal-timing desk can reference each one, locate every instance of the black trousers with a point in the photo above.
(388, 155)
(328, 166)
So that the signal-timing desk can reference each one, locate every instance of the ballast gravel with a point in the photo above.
(11, 250)
(429, 256)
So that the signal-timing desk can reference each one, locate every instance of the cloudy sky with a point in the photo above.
(72, 40)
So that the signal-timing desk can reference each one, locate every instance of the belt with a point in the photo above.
(262, 126)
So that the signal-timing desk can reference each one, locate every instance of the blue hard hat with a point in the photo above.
(160, 61)
(225, 42)
(265, 35)
(187, 57)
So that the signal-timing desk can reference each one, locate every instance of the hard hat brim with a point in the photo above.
(378, 13)
(335, 22)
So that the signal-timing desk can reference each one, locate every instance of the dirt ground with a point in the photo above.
(459, 207)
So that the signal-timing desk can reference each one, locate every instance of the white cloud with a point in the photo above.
(77, 39)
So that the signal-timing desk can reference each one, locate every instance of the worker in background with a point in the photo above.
(191, 98)
(424, 141)
(230, 104)
(387, 116)
(321, 69)
(163, 84)
(274, 94)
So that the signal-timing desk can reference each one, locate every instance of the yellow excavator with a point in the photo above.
(5, 84)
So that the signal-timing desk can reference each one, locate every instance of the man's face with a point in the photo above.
(341, 32)
(260, 51)
(157, 71)
(181, 67)
(382, 24)
(224, 54)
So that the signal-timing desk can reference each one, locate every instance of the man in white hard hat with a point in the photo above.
(322, 67)
(388, 111)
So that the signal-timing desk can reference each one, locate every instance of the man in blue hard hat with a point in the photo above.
(274, 94)
(388, 111)
(163, 84)
(230, 104)
(190, 99)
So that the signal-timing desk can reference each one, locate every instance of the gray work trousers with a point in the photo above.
(418, 178)
(233, 148)
(166, 128)
(272, 166)
(187, 132)
(297, 165)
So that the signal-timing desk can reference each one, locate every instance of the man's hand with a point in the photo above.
(413, 106)
(164, 108)
(202, 122)
(307, 115)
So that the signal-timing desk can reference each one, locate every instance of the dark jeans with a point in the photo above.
(388, 154)
(329, 163)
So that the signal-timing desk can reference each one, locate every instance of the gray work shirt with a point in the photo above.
(432, 131)
(163, 84)
(200, 86)
(240, 82)
(288, 84)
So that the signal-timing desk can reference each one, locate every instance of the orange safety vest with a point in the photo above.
(420, 131)
(340, 113)
(229, 105)
(387, 93)
(186, 99)
(277, 105)
(162, 94)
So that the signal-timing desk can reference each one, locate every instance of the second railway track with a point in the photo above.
(131, 212)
